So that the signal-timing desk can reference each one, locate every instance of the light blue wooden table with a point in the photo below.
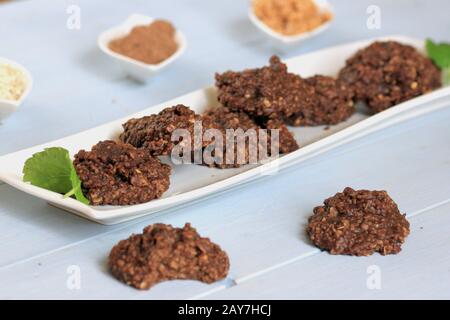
(262, 225)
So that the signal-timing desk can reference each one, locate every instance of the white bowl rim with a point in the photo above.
(103, 43)
(322, 4)
(29, 82)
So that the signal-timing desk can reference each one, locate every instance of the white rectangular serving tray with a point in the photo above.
(191, 183)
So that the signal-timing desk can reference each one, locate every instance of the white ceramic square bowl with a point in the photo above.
(283, 41)
(137, 69)
(7, 107)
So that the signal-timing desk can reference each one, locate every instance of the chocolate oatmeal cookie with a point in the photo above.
(162, 253)
(387, 73)
(272, 92)
(358, 223)
(154, 132)
(268, 91)
(114, 173)
(225, 119)
(329, 102)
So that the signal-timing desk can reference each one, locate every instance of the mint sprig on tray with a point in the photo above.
(53, 170)
(440, 54)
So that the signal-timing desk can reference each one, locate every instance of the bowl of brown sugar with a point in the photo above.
(290, 22)
(142, 45)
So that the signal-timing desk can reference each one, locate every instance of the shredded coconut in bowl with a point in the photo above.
(12, 82)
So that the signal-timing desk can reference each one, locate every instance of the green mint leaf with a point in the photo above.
(439, 53)
(53, 170)
(76, 187)
(49, 169)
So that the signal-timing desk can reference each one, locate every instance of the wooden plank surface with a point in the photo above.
(420, 271)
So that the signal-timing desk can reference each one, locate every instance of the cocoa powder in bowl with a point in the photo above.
(150, 44)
